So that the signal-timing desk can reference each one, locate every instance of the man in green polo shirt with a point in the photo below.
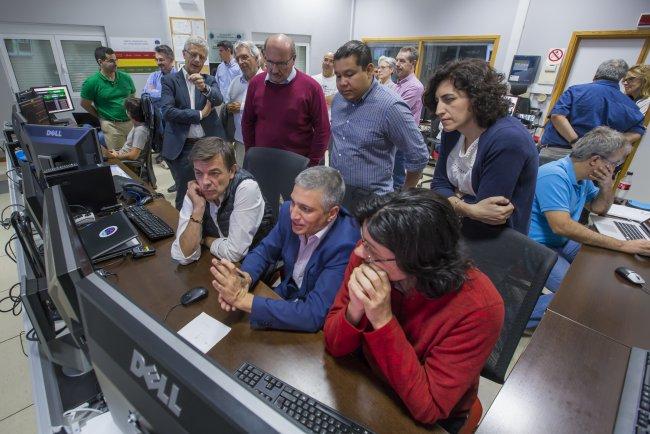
(103, 95)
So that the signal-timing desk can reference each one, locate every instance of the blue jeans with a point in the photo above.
(399, 173)
(566, 255)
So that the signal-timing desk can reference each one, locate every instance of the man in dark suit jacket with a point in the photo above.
(314, 237)
(188, 99)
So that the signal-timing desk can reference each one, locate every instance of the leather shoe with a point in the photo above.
(172, 189)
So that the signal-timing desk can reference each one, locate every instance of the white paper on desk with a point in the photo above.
(626, 212)
(204, 332)
(117, 171)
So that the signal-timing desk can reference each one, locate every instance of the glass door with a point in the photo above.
(32, 61)
(78, 59)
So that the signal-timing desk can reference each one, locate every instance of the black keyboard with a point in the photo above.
(630, 232)
(634, 407)
(153, 226)
(305, 410)
(61, 168)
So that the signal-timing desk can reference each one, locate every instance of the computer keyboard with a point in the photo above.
(630, 232)
(153, 226)
(61, 168)
(306, 411)
(634, 407)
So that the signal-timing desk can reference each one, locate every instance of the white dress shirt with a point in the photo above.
(196, 130)
(306, 249)
(245, 219)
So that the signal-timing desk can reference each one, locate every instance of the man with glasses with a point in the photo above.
(188, 99)
(314, 237)
(103, 95)
(585, 106)
(564, 188)
(286, 108)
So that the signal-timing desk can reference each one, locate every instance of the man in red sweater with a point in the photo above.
(285, 108)
(424, 318)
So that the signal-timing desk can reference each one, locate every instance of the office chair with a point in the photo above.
(275, 171)
(523, 103)
(143, 166)
(518, 268)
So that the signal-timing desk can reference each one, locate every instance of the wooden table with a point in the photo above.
(156, 283)
(567, 381)
(593, 295)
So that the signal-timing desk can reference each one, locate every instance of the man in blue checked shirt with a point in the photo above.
(165, 60)
(369, 124)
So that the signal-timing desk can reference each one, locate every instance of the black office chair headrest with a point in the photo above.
(517, 89)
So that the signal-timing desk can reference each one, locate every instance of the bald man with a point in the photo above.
(285, 108)
(327, 79)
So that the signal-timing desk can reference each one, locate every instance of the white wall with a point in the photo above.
(326, 21)
(436, 18)
(550, 23)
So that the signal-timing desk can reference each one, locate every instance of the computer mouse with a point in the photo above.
(629, 275)
(194, 294)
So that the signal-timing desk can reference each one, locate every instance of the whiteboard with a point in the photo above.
(592, 52)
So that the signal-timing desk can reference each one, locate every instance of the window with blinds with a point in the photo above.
(33, 62)
(79, 60)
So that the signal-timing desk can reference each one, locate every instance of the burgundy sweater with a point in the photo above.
(432, 351)
(290, 116)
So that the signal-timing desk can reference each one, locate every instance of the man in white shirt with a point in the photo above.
(248, 57)
(327, 79)
(223, 209)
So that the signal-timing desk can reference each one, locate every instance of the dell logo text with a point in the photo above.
(155, 381)
(53, 133)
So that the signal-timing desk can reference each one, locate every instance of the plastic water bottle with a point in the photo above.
(623, 187)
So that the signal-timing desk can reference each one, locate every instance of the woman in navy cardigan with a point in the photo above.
(488, 161)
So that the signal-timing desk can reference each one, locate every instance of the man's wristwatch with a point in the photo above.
(206, 91)
(572, 142)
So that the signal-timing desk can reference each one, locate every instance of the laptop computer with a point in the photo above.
(622, 229)
(91, 187)
(107, 236)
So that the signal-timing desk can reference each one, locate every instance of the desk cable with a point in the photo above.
(170, 311)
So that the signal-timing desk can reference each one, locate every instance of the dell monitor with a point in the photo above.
(154, 381)
(57, 98)
(52, 146)
(33, 195)
(66, 263)
(18, 122)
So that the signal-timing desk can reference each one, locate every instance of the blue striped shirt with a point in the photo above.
(367, 133)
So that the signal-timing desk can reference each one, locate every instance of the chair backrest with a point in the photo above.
(146, 169)
(275, 171)
(518, 267)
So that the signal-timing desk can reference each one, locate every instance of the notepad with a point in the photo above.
(118, 171)
(626, 212)
(204, 332)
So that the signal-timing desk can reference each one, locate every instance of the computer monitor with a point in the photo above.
(52, 146)
(57, 98)
(66, 263)
(155, 381)
(33, 195)
(35, 111)
(18, 121)
(524, 69)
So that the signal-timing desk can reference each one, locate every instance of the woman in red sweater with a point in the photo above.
(423, 316)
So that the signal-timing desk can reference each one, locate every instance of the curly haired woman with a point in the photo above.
(488, 161)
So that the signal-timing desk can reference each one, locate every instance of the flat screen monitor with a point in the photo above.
(33, 194)
(18, 121)
(57, 98)
(66, 263)
(155, 381)
(52, 146)
(34, 111)
(524, 69)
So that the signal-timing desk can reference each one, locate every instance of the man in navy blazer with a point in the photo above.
(314, 237)
(187, 100)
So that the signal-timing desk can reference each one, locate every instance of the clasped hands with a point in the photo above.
(232, 285)
(369, 291)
